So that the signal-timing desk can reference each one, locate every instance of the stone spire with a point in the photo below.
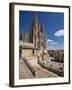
(35, 19)
(34, 31)
(43, 35)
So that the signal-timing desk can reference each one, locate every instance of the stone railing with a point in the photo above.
(29, 66)
(49, 68)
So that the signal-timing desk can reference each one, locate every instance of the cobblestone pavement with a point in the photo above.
(25, 73)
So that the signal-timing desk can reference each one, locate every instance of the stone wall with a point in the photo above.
(32, 54)
(26, 53)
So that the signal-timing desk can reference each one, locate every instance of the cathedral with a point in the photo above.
(34, 57)
(36, 34)
(33, 42)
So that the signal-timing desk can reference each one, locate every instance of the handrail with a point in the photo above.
(30, 66)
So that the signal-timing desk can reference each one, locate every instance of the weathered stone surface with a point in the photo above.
(25, 73)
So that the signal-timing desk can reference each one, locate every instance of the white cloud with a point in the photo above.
(59, 33)
(54, 43)
(49, 41)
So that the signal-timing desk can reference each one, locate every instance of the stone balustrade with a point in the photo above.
(50, 68)
(30, 66)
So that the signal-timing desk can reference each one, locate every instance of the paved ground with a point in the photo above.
(43, 73)
(25, 73)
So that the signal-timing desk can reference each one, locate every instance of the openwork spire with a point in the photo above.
(36, 18)
(42, 30)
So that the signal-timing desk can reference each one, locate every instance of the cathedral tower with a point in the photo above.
(42, 36)
(37, 34)
(34, 32)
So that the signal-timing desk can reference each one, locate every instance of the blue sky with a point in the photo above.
(54, 26)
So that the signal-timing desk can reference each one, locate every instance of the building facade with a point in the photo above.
(33, 43)
(36, 35)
